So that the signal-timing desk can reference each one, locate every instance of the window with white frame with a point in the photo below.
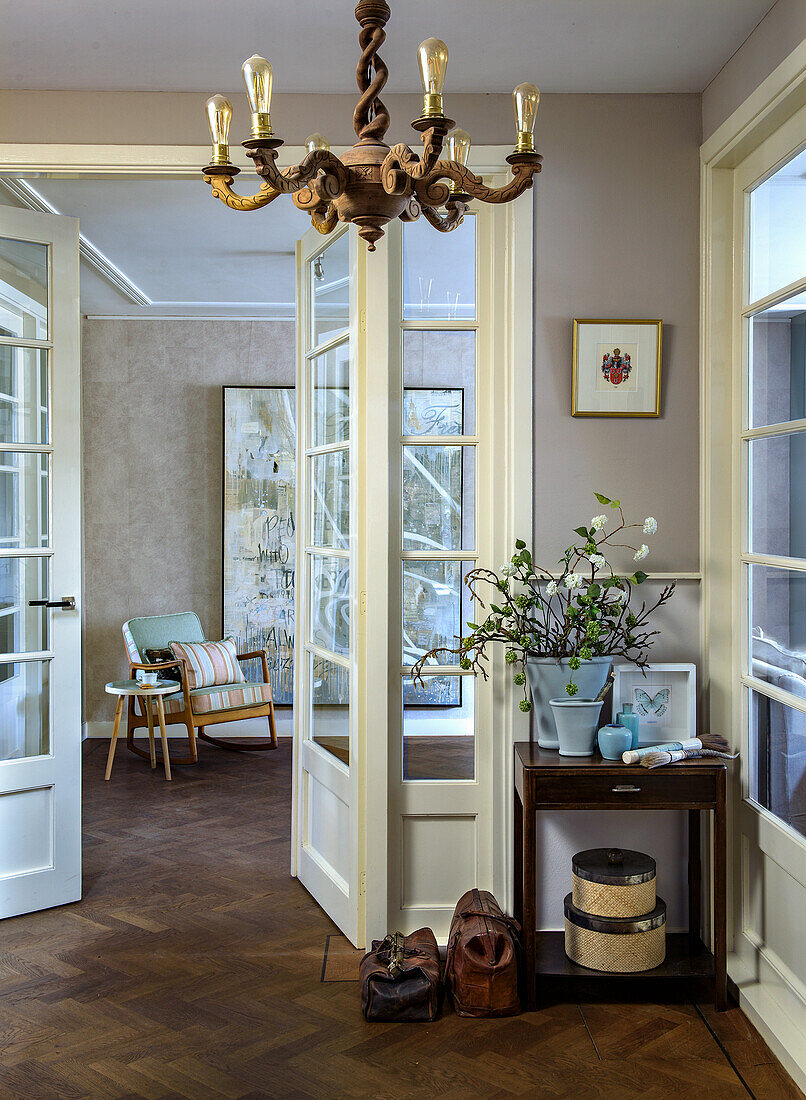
(774, 491)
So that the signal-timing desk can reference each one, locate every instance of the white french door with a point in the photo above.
(331, 802)
(40, 563)
(414, 466)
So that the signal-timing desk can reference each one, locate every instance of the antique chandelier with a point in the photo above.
(371, 183)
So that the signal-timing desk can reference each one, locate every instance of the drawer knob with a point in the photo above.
(625, 788)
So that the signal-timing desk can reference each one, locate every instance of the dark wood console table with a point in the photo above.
(544, 780)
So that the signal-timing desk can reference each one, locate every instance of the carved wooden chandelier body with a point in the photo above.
(371, 183)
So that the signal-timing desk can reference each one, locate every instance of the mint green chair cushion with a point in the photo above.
(158, 631)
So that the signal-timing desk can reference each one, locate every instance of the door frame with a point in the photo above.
(772, 996)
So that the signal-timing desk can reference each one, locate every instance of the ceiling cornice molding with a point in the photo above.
(32, 200)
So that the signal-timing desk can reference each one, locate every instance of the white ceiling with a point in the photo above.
(186, 251)
(192, 45)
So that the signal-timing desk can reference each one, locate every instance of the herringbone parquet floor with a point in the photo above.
(192, 969)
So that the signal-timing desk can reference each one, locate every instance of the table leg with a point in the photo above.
(720, 897)
(694, 877)
(114, 741)
(150, 719)
(529, 922)
(517, 848)
(164, 736)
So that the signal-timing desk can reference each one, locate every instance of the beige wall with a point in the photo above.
(177, 118)
(152, 413)
(779, 32)
(616, 235)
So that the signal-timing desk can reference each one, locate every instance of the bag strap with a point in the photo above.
(394, 945)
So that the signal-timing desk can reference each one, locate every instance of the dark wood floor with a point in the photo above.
(192, 969)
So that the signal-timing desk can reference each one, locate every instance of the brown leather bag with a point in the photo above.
(481, 970)
(400, 978)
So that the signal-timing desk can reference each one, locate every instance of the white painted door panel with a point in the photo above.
(40, 560)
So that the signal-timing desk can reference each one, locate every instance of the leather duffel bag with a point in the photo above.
(400, 978)
(484, 958)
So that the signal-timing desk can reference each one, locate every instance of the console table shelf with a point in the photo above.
(545, 780)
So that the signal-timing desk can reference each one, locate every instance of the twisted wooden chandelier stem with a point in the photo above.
(371, 118)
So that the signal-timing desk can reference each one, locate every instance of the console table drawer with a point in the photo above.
(673, 786)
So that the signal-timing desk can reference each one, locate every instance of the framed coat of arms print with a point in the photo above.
(616, 368)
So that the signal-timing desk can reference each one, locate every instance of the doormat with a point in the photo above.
(341, 960)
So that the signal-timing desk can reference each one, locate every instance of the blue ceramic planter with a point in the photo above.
(576, 724)
(547, 680)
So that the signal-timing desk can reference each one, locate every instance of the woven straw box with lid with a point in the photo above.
(614, 920)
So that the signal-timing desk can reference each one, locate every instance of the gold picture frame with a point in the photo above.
(598, 360)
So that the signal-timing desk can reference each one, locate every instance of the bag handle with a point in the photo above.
(510, 922)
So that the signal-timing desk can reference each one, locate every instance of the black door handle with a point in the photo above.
(67, 603)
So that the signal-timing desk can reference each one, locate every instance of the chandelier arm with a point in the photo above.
(223, 191)
(324, 219)
(454, 213)
(321, 165)
(431, 191)
(402, 165)
(411, 211)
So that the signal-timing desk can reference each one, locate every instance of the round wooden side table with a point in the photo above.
(125, 688)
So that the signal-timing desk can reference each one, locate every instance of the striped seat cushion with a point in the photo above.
(209, 663)
(230, 698)
(210, 700)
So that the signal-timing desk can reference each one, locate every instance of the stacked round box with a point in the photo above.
(614, 921)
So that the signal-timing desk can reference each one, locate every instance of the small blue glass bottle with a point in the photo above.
(625, 717)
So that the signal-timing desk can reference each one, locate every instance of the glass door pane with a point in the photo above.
(327, 451)
(24, 499)
(778, 229)
(23, 289)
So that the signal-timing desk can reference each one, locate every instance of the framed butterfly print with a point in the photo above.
(665, 700)
(616, 368)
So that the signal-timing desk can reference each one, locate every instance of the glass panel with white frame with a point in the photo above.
(774, 590)
(25, 456)
(330, 291)
(438, 497)
(778, 229)
(328, 459)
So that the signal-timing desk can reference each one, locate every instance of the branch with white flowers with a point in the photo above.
(577, 613)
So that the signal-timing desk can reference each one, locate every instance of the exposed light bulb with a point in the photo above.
(258, 78)
(526, 99)
(432, 58)
(458, 146)
(316, 141)
(219, 117)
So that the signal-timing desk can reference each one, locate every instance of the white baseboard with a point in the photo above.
(770, 995)
(246, 727)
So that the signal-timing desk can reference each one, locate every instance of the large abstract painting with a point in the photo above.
(260, 551)
(260, 429)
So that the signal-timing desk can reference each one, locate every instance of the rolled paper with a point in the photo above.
(633, 756)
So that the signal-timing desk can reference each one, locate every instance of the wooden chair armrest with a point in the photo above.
(156, 665)
(178, 663)
(251, 656)
(258, 653)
